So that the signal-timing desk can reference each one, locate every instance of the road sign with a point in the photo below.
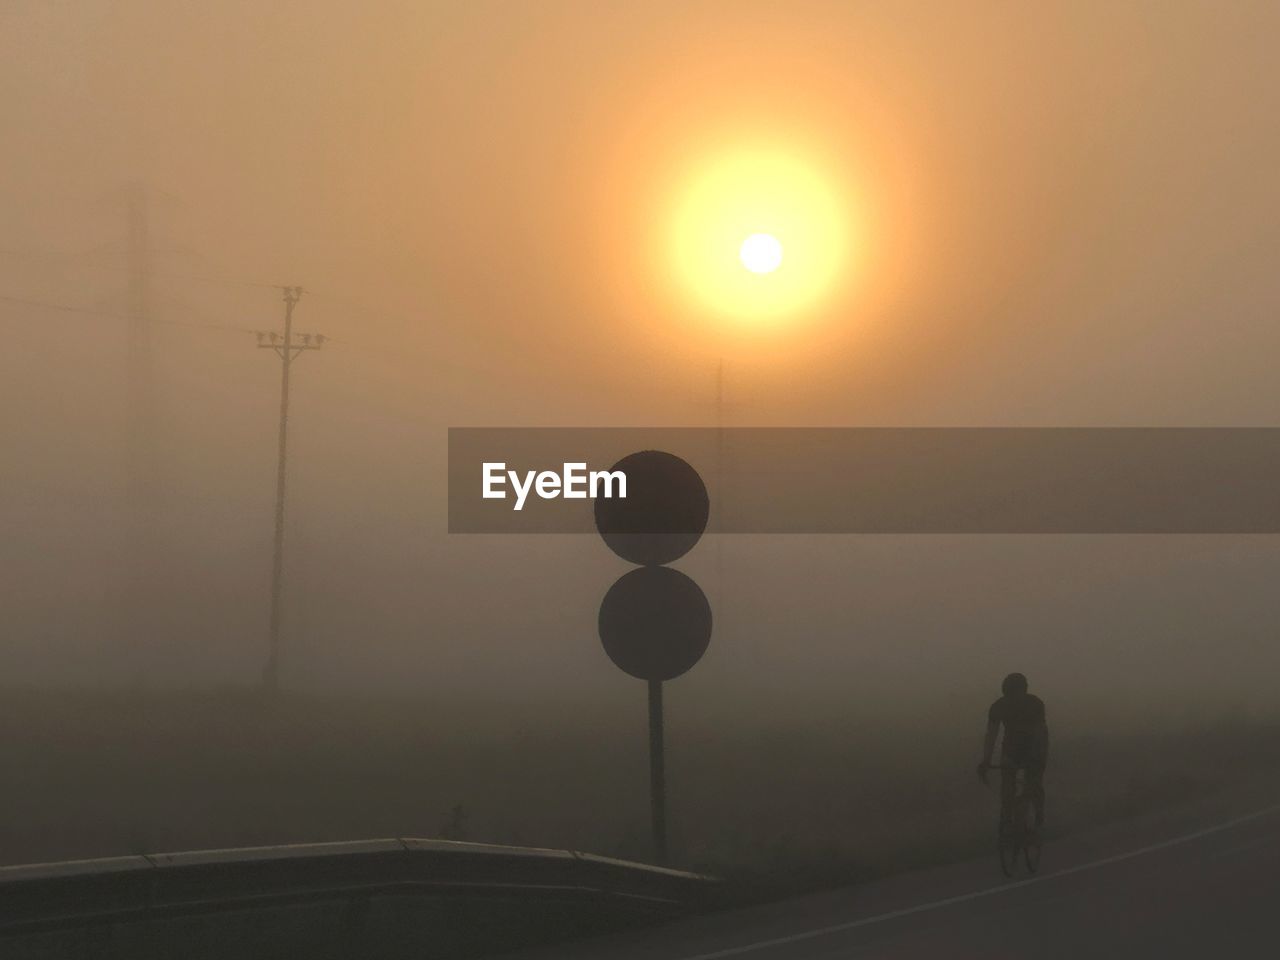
(663, 514)
(655, 623)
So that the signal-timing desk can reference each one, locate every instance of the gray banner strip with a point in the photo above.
(897, 480)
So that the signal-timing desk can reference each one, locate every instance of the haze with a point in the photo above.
(1065, 215)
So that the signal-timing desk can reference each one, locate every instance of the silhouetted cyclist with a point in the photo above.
(1025, 745)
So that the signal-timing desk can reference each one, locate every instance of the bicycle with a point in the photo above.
(1019, 838)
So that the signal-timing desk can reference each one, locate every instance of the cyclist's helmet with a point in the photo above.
(1014, 685)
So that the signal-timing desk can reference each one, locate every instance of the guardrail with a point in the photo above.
(441, 898)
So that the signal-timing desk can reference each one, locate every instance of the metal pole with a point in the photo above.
(141, 372)
(720, 483)
(271, 674)
(137, 625)
(657, 773)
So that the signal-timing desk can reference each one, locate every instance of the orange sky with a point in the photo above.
(1062, 214)
(1044, 190)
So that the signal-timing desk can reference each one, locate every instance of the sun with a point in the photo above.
(770, 210)
(761, 253)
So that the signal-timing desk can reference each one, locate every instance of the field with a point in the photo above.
(777, 805)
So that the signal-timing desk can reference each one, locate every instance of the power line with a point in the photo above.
(59, 261)
(64, 307)
(47, 255)
(230, 281)
(117, 315)
(356, 307)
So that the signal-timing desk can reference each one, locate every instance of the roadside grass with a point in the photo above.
(775, 808)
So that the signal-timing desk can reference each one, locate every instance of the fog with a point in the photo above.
(1067, 215)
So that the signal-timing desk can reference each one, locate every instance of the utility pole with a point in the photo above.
(135, 618)
(140, 370)
(288, 350)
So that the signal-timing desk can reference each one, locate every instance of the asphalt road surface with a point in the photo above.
(1192, 883)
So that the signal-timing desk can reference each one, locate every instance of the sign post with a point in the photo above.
(655, 622)
(657, 773)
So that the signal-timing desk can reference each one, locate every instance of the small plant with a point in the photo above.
(455, 827)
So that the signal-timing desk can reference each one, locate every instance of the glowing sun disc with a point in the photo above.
(761, 253)
(729, 221)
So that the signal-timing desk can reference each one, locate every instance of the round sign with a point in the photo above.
(655, 623)
(663, 514)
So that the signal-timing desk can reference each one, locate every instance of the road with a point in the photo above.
(1202, 883)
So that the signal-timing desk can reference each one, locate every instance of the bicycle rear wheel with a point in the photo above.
(1010, 847)
(1031, 844)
